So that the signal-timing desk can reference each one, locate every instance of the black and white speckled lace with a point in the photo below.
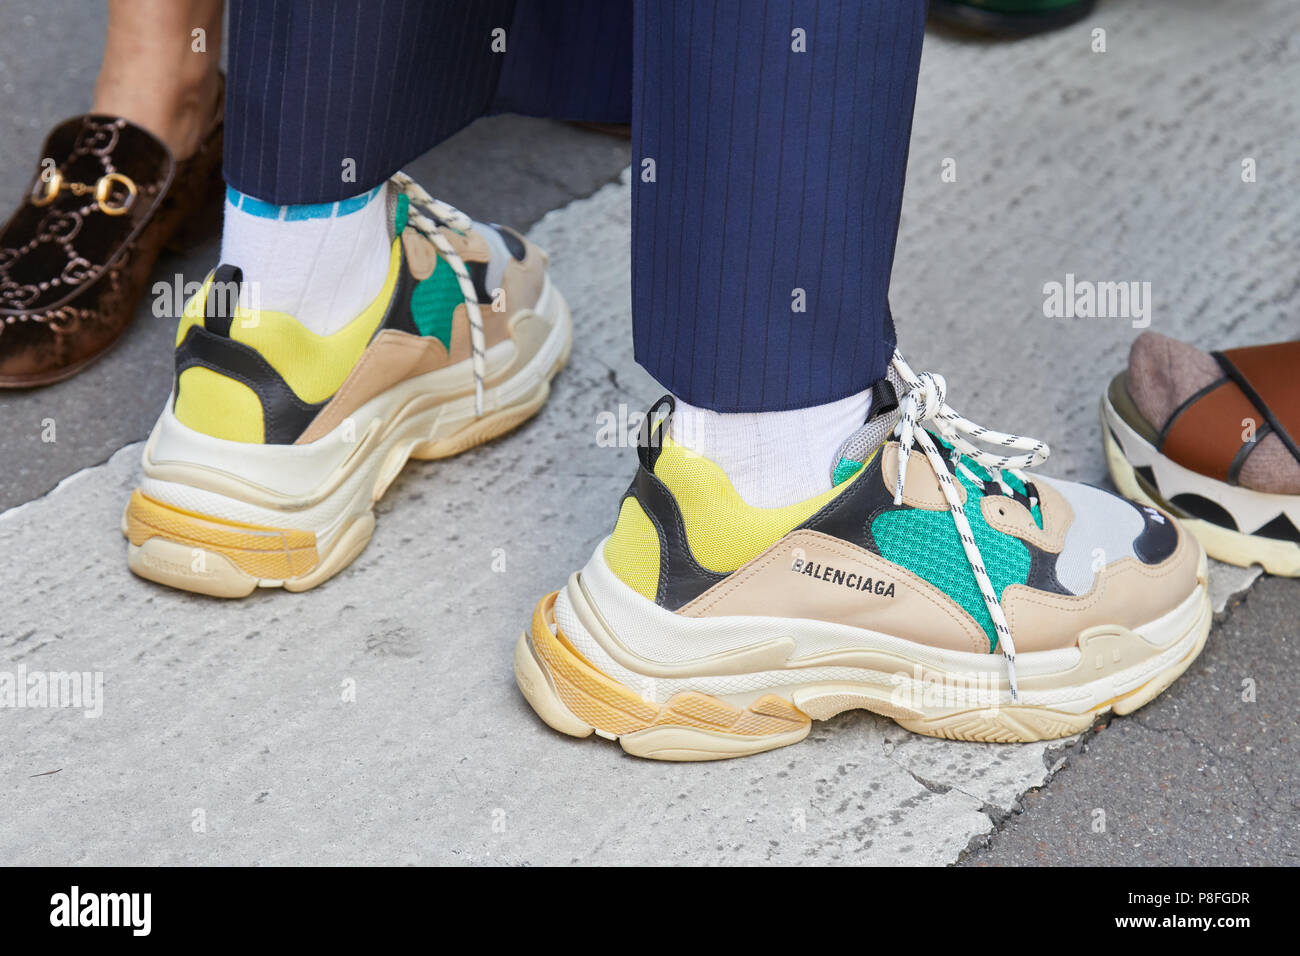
(428, 215)
(923, 405)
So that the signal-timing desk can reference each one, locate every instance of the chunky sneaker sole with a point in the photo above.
(1236, 525)
(292, 503)
(598, 658)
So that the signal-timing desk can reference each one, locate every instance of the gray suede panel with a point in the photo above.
(499, 258)
(1103, 531)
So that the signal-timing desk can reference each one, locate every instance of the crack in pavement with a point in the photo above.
(1266, 807)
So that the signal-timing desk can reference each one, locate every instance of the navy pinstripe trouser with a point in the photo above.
(763, 230)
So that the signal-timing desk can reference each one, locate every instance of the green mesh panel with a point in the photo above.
(434, 301)
(927, 544)
(399, 218)
(845, 469)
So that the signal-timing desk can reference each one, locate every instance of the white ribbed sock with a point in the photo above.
(772, 458)
(322, 264)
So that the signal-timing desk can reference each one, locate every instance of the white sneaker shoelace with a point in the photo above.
(924, 404)
(443, 214)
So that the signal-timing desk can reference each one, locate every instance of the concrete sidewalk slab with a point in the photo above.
(1206, 775)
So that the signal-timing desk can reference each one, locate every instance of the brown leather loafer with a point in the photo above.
(75, 256)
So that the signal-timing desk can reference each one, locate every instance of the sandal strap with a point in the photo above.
(1269, 375)
(1216, 429)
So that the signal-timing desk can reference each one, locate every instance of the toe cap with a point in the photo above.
(1125, 564)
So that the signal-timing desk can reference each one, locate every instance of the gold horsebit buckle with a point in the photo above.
(47, 190)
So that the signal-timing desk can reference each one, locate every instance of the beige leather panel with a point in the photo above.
(460, 343)
(523, 279)
(522, 284)
(808, 574)
(1011, 517)
(471, 246)
(921, 490)
(421, 255)
(399, 356)
(1127, 592)
(391, 357)
(496, 328)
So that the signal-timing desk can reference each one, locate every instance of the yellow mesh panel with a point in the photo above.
(632, 551)
(209, 402)
(723, 530)
(314, 366)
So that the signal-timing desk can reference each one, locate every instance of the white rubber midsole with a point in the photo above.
(1250, 509)
(320, 486)
(604, 619)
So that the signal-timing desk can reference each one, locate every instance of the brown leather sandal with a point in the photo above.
(1215, 439)
(107, 199)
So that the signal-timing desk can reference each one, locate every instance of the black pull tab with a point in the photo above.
(223, 299)
(884, 398)
(649, 442)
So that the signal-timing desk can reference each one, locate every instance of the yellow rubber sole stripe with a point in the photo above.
(616, 709)
(262, 552)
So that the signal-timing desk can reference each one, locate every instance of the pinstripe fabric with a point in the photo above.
(569, 59)
(775, 170)
(316, 82)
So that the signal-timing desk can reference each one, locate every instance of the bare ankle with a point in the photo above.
(160, 68)
(178, 113)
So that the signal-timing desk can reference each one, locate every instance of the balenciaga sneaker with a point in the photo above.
(265, 465)
(1214, 439)
(930, 584)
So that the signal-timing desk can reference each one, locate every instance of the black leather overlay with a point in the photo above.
(478, 276)
(1158, 539)
(849, 514)
(513, 242)
(1042, 570)
(399, 315)
(284, 415)
(649, 442)
(681, 578)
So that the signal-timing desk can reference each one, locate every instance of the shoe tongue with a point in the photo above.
(857, 448)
